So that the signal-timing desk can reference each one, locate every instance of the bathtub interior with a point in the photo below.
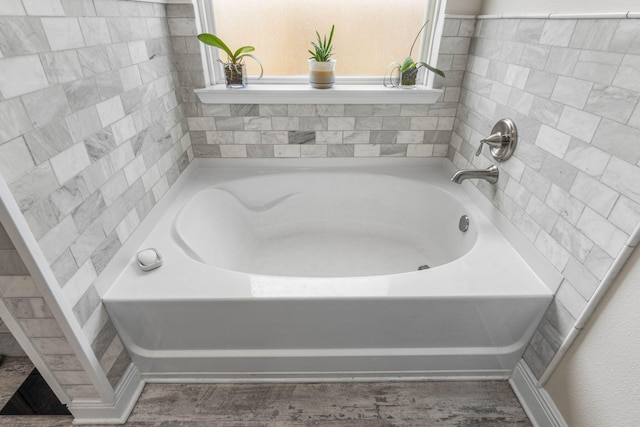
(323, 225)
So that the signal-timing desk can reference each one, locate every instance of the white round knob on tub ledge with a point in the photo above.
(149, 259)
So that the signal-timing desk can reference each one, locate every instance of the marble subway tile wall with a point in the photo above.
(308, 130)
(572, 87)
(92, 135)
(321, 131)
(186, 55)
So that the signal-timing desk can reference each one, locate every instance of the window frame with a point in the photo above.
(367, 87)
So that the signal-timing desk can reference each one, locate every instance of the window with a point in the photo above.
(369, 34)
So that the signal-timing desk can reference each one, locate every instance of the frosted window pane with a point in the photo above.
(369, 34)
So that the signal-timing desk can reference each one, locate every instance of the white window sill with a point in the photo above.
(304, 94)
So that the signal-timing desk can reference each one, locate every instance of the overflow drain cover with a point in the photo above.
(463, 225)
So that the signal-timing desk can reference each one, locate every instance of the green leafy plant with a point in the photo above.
(409, 64)
(323, 48)
(234, 58)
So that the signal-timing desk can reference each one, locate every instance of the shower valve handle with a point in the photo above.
(494, 140)
(502, 141)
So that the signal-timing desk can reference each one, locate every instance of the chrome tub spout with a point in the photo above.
(489, 174)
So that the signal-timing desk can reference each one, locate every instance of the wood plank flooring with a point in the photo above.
(13, 372)
(477, 403)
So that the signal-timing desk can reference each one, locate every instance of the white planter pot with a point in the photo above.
(322, 74)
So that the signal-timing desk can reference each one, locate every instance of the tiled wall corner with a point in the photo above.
(279, 131)
(92, 134)
(186, 54)
(572, 89)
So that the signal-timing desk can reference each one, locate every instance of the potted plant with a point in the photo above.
(408, 70)
(321, 66)
(234, 69)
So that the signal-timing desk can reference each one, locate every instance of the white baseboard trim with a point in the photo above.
(535, 400)
(98, 412)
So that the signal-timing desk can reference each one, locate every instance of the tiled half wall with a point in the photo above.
(572, 87)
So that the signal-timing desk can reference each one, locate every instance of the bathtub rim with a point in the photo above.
(243, 167)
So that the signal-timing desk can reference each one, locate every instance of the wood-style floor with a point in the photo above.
(478, 403)
(13, 372)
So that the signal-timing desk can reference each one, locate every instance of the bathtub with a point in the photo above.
(322, 270)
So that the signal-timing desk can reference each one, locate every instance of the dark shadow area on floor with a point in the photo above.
(34, 397)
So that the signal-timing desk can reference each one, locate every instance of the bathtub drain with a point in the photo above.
(423, 267)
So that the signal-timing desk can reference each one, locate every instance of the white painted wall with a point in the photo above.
(503, 7)
(463, 7)
(598, 382)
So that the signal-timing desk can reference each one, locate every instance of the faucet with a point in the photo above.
(489, 174)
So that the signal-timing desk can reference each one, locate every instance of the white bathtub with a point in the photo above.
(309, 270)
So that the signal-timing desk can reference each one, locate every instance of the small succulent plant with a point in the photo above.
(323, 49)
